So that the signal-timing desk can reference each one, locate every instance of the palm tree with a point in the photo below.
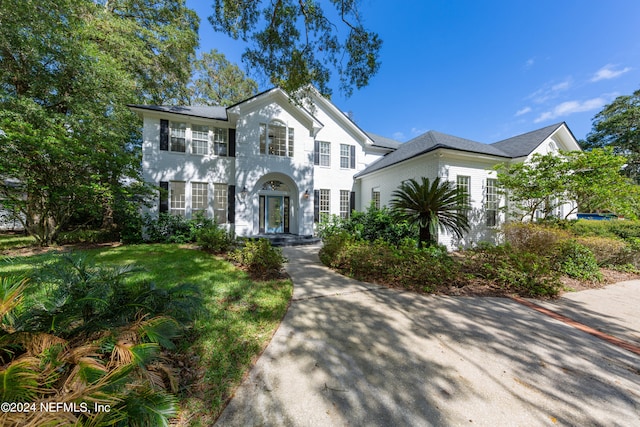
(431, 206)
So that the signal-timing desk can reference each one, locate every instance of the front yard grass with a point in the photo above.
(239, 316)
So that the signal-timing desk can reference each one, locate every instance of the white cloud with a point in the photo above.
(529, 63)
(523, 111)
(398, 136)
(609, 72)
(571, 107)
(549, 91)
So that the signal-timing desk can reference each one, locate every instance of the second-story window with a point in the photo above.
(347, 156)
(178, 137)
(220, 142)
(325, 153)
(276, 139)
(200, 139)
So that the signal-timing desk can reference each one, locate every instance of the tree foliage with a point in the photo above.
(216, 81)
(592, 179)
(432, 206)
(618, 126)
(67, 71)
(295, 43)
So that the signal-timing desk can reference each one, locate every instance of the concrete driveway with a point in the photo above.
(351, 353)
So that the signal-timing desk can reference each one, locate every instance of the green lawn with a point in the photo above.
(238, 319)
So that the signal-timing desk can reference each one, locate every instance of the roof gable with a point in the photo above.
(525, 144)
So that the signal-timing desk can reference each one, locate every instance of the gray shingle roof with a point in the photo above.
(523, 145)
(427, 142)
(205, 112)
(517, 146)
(384, 142)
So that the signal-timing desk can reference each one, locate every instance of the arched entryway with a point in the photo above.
(277, 205)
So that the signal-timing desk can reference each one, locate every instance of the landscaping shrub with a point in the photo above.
(607, 251)
(533, 238)
(260, 258)
(332, 245)
(372, 225)
(577, 261)
(526, 273)
(215, 239)
(622, 229)
(168, 228)
(405, 265)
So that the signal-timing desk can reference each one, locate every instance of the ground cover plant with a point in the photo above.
(199, 359)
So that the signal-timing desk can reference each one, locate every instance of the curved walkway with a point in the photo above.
(352, 353)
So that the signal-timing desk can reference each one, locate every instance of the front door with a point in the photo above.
(274, 214)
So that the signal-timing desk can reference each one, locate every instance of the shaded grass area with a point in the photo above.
(239, 316)
(15, 241)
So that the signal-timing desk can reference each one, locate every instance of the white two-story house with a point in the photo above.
(269, 165)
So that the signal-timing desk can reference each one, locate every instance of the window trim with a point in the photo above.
(322, 155)
(288, 139)
(345, 204)
(492, 203)
(180, 211)
(193, 139)
(177, 126)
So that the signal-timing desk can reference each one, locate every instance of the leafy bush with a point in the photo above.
(577, 261)
(534, 238)
(526, 273)
(215, 239)
(622, 229)
(260, 258)
(169, 228)
(372, 225)
(405, 265)
(607, 251)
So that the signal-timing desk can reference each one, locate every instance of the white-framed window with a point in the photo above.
(463, 184)
(345, 156)
(178, 137)
(220, 141)
(276, 139)
(220, 203)
(200, 139)
(177, 198)
(325, 204)
(344, 203)
(375, 197)
(199, 197)
(491, 202)
(325, 153)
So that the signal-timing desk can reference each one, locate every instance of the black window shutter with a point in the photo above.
(352, 202)
(316, 152)
(164, 135)
(353, 157)
(231, 203)
(232, 142)
(164, 196)
(316, 205)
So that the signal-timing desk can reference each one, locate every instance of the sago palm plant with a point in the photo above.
(431, 206)
(101, 343)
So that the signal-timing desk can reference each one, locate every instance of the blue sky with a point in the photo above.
(485, 70)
